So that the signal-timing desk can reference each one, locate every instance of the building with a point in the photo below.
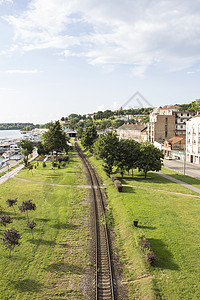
(174, 147)
(167, 122)
(137, 132)
(193, 140)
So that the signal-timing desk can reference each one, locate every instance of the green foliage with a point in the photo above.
(105, 147)
(55, 139)
(16, 126)
(150, 158)
(27, 147)
(40, 149)
(89, 136)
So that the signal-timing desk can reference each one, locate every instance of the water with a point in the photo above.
(10, 134)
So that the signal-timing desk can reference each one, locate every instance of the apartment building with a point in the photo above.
(167, 122)
(193, 140)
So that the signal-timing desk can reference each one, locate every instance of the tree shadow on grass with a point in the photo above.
(146, 227)
(151, 178)
(63, 267)
(42, 242)
(127, 189)
(68, 226)
(164, 258)
(27, 285)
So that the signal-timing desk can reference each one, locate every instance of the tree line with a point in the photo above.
(120, 155)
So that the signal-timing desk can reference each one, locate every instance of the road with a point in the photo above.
(16, 170)
(192, 170)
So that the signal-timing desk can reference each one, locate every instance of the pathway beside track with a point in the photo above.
(187, 185)
(56, 184)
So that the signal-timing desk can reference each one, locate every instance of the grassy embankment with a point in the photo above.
(171, 224)
(49, 265)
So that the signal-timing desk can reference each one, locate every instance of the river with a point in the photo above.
(10, 134)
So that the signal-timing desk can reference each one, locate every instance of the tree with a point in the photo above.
(150, 158)
(40, 149)
(4, 220)
(126, 155)
(31, 225)
(55, 139)
(11, 203)
(89, 136)
(26, 206)
(105, 147)
(11, 239)
(27, 148)
(79, 132)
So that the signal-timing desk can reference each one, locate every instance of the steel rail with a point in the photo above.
(104, 283)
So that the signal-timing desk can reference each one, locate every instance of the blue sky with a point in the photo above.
(79, 56)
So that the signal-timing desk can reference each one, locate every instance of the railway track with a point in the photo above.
(104, 287)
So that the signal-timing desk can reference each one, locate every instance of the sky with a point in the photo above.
(59, 57)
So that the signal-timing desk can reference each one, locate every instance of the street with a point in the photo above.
(192, 170)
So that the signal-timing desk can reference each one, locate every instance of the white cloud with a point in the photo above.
(6, 1)
(22, 71)
(138, 33)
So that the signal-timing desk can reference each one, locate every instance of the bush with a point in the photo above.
(151, 259)
(145, 247)
(118, 186)
(44, 164)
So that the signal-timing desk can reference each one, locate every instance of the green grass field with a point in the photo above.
(171, 224)
(51, 263)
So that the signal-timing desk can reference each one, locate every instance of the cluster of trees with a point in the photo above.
(127, 154)
(104, 119)
(53, 140)
(11, 237)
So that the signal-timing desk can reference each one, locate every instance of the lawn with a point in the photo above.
(49, 174)
(170, 222)
(51, 263)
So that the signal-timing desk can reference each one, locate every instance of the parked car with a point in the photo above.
(168, 157)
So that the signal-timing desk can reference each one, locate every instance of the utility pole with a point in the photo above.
(184, 161)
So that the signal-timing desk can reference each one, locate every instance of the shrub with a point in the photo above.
(145, 247)
(44, 164)
(151, 259)
(4, 220)
(11, 239)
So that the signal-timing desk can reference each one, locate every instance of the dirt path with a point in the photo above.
(162, 191)
(54, 184)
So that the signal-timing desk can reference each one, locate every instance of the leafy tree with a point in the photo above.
(11, 239)
(105, 147)
(126, 155)
(55, 139)
(12, 203)
(26, 206)
(27, 148)
(89, 136)
(40, 148)
(117, 123)
(31, 225)
(4, 220)
(79, 132)
(150, 158)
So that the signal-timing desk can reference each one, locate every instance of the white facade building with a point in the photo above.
(193, 140)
